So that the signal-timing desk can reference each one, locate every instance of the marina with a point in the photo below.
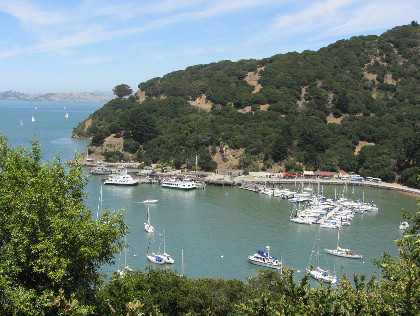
(212, 232)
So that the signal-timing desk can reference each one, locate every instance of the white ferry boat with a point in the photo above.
(185, 184)
(121, 179)
(263, 258)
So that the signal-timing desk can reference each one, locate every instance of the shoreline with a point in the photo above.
(220, 180)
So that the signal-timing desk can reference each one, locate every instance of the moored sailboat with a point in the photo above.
(318, 273)
(147, 226)
(342, 252)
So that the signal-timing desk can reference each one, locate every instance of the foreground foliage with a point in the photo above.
(50, 246)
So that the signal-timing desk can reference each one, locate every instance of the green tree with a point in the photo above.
(401, 284)
(122, 90)
(50, 246)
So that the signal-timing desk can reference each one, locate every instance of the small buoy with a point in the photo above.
(222, 256)
(135, 255)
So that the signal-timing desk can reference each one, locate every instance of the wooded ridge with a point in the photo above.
(289, 112)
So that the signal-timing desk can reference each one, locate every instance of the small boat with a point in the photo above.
(147, 226)
(404, 225)
(342, 252)
(33, 119)
(152, 256)
(317, 273)
(21, 123)
(121, 179)
(127, 269)
(155, 258)
(185, 184)
(323, 275)
(150, 201)
(166, 257)
(101, 170)
(66, 115)
(262, 258)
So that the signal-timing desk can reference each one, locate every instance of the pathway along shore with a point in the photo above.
(382, 185)
(221, 180)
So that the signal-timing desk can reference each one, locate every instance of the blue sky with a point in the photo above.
(83, 46)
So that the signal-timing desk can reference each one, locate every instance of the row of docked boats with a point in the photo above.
(330, 213)
(121, 177)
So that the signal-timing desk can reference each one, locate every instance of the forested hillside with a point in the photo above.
(289, 112)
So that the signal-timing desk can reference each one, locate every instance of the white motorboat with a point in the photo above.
(121, 179)
(33, 119)
(404, 225)
(101, 170)
(301, 220)
(185, 184)
(150, 201)
(323, 275)
(262, 258)
(147, 226)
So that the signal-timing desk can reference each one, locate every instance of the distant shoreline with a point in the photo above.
(56, 97)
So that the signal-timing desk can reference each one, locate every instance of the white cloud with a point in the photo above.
(93, 60)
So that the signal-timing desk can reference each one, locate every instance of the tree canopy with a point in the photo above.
(122, 91)
(51, 247)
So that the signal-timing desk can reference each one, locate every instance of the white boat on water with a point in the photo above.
(127, 269)
(166, 257)
(33, 119)
(150, 201)
(151, 255)
(147, 226)
(323, 275)
(262, 258)
(342, 252)
(185, 184)
(404, 225)
(121, 179)
(101, 170)
(21, 122)
(319, 273)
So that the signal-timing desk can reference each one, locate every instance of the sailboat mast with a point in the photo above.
(182, 262)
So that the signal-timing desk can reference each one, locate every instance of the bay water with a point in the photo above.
(217, 228)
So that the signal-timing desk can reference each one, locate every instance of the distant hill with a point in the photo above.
(84, 96)
(353, 105)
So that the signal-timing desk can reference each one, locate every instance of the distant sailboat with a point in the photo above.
(66, 115)
(33, 119)
(149, 228)
(21, 123)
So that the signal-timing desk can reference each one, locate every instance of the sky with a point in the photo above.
(94, 45)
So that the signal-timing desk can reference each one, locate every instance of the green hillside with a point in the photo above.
(309, 110)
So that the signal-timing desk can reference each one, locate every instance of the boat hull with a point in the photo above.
(155, 259)
(343, 254)
(264, 264)
(323, 275)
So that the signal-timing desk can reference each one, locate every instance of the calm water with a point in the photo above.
(217, 227)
